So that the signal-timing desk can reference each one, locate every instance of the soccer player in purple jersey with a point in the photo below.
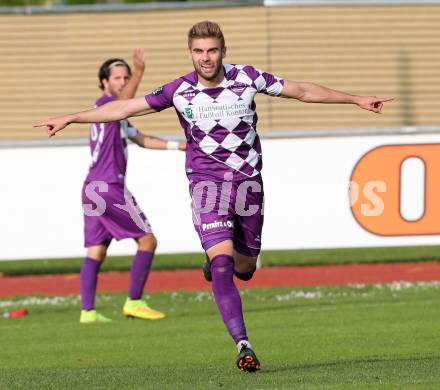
(215, 106)
(120, 217)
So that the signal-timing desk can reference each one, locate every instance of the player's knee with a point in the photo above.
(222, 265)
(147, 243)
(245, 266)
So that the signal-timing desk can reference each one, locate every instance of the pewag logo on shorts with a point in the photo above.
(217, 224)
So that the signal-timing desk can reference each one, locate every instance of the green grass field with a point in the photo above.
(355, 337)
(270, 259)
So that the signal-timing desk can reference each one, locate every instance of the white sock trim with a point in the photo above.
(243, 342)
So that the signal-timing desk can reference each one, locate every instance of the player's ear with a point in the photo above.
(105, 83)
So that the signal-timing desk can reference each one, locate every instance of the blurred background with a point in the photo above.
(50, 55)
(50, 52)
(343, 186)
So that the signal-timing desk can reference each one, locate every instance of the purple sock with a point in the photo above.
(140, 269)
(227, 296)
(88, 281)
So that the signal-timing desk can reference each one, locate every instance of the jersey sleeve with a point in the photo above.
(162, 97)
(265, 82)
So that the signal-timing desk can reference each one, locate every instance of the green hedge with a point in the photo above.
(17, 3)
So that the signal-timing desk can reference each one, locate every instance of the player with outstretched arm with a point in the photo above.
(216, 109)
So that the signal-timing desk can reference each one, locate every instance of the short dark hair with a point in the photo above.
(105, 69)
(206, 29)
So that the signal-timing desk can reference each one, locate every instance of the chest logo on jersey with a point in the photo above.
(216, 111)
(188, 94)
(238, 87)
(189, 113)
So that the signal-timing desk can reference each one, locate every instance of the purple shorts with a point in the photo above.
(110, 211)
(229, 210)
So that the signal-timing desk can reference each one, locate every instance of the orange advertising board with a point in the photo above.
(376, 190)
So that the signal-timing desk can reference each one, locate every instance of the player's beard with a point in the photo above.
(209, 77)
(115, 91)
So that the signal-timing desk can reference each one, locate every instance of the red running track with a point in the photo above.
(192, 280)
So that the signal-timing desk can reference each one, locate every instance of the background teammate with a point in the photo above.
(216, 108)
(122, 217)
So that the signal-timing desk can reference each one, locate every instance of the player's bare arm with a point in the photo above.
(129, 91)
(112, 111)
(314, 93)
(151, 142)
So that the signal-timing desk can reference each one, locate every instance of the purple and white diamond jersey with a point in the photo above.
(108, 144)
(219, 122)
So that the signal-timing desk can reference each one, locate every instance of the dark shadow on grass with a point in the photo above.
(360, 362)
(292, 305)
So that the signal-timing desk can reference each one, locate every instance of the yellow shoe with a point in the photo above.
(92, 317)
(138, 308)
